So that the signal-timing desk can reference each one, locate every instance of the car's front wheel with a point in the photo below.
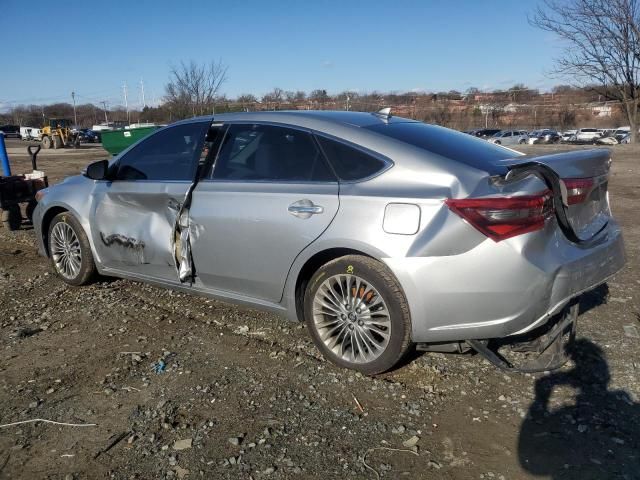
(358, 315)
(70, 251)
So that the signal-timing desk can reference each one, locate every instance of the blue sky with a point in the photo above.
(295, 45)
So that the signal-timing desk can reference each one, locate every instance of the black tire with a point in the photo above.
(11, 217)
(498, 142)
(522, 142)
(379, 277)
(46, 142)
(87, 269)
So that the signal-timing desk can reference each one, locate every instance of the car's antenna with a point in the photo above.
(383, 113)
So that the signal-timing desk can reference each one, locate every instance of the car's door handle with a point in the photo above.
(305, 208)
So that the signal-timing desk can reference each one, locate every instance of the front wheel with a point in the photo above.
(357, 314)
(46, 142)
(70, 250)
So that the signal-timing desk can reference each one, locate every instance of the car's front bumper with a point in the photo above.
(500, 289)
(37, 227)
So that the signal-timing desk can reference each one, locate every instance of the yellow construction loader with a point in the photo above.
(58, 134)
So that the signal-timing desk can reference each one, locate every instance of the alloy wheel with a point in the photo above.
(65, 250)
(351, 318)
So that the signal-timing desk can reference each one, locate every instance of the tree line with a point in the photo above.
(601, 54)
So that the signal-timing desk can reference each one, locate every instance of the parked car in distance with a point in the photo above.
(567, 135)
(379, 232)
(625, 139)
(606, 141)
(544, 136)
(606, 132)
(510, 137)
(29, 133)
(10, 131)
(86, 135)
(484, 132)
(620, 133)
(586, 135)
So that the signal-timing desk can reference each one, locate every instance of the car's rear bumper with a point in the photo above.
(500, 289)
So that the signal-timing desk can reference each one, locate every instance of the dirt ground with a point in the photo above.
(245, 395)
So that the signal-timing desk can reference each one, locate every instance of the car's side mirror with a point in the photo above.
(97, 170)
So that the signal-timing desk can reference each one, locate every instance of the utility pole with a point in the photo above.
(142, 92)
(126, 104)
(75, 117)
(104, 107)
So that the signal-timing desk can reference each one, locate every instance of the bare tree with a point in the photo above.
(320, 96)
(247, 101)
(193, 88)
(274, 98)
(602, 46)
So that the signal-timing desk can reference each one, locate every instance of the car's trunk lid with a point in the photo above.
(579, 182)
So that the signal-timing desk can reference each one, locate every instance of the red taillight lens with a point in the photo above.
(578, 189)
(500, 218)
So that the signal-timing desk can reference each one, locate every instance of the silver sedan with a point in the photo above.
(379, 232)
(510, 137)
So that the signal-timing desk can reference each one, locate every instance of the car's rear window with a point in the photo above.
(447, 143)
(351, 164)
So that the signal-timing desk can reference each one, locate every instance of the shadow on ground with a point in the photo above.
(594, 436)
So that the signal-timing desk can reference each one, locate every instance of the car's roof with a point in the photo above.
(305, 118)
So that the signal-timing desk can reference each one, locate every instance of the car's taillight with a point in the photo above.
(578, 189)
(500, 218)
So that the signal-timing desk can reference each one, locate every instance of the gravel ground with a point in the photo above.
(244, 394)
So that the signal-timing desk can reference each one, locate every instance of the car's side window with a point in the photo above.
(255, 152)
(171, 154)
(350, 164)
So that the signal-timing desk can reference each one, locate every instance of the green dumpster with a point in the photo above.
(115, 141)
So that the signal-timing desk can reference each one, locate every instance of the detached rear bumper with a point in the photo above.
(500, 289)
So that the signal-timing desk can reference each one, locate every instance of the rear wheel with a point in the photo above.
(46, 142)
(70, 250)
(498, 142)
(358, 315)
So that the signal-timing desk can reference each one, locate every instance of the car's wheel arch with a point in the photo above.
(308, 263)
(50, 213)
(47, 218)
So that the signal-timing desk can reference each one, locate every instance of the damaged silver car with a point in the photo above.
(379, 232)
